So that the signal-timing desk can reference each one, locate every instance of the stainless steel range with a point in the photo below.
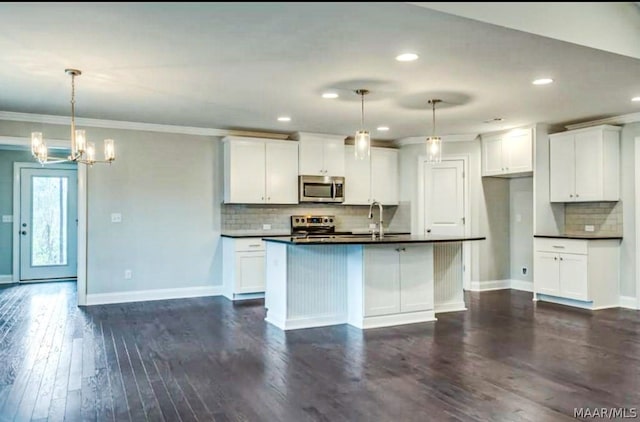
(314, 226)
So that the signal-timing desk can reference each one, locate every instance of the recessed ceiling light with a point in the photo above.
(635, 99)
(407, 57)
(330, 95)
(542, 81)
(383, 128)
(284, 119)
(494, 120)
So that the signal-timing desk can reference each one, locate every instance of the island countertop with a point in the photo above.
(367, 240)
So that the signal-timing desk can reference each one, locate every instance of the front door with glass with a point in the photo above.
(48, 224)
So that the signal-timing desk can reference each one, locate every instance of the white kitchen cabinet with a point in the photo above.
(320, 154)
(369, 180)
(584, 165)
(508, 154)
(243, 267)
(577, 272)
(260, 171)
(395, 281)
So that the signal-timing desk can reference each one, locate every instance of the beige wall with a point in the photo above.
(628, 174)
(521, 231)
(168, 189)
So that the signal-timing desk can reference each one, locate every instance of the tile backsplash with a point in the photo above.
(606, 217)
(252, 217)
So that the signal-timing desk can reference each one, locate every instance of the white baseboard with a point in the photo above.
(487, 285)
(396, 319)
(159, 294)
(299, 323)
(450, 307)
(525, 286)
(6, 278)
(628, 302)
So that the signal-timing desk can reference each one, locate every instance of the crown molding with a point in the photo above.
(615, 120)
(21, 141)
(445, 138)
(148, 127)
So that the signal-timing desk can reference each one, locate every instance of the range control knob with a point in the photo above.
(302, 220)
(326, 220)
(297, 220)
(331, 220)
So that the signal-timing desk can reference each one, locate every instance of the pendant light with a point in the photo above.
(362, 141)
(434, 143)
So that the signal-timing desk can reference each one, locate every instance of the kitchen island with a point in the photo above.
(363, 281)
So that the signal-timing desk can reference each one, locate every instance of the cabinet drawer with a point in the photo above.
(248, 244)
(575, 246)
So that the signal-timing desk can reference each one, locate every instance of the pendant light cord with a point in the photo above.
(73, 101)
(362, 115)
(433, 106)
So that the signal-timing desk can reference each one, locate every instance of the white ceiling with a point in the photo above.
(241, 65)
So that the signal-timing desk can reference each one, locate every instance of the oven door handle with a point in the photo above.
(333, 191)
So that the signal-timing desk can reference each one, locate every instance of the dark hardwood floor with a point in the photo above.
(206, 359)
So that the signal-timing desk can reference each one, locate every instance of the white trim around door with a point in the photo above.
(637, 221)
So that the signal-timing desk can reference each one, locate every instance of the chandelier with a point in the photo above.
(81, 150)
(362, 141)
(434, 143)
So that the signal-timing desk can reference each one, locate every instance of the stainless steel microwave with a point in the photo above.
(321, 189)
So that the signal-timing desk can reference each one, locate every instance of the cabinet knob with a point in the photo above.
(262, 198)
(570, 196)
(577, 195)
(555, 258)
(561, 259)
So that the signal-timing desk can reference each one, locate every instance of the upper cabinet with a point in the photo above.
(366, 181)
(584, 165)
(508, 154)
(321, 155)
(260, 171)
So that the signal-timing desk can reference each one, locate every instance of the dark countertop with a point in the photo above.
(235, 234)
(365, 239)
(577, 236)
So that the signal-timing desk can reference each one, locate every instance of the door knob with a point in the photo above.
(23, 232)
(428, 230)
(24, 224)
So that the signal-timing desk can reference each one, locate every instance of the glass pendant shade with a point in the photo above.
(109, 150)
(91, 153)
(362, 145)
(434, 149)
(81, 141)
(36, 142)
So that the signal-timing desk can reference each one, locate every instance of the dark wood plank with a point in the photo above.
(204, 359)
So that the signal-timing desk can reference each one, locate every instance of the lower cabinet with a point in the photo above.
(243, 268)
(396, 282)
(583, 271)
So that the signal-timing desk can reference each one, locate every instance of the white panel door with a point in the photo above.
(518, 151)
(357, 179)
(589, 166)
(492, 156)
(382, 281)
(334, 157)
(311, 155)
(573, 276)
(250, 272)
(282, 173)
(48, 224)
(444, 198)
(416, 285)
(562, 169)
(246, 172)
(384, 175)
(546, 273)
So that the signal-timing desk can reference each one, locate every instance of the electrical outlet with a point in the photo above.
(266, 227)
(7, 218)
(128, 274)
(116, 218)
(589, 228)
(373, 226)
(518, 218)
(524, 270)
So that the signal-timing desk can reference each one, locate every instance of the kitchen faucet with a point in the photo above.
(381, 231)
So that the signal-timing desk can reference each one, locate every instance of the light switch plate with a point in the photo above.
(266, 227)
(116, 218)
(372, 226)
(518, 218)
(589, 228)
(7, 218)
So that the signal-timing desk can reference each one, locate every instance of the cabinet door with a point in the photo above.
(518, 151)
(546, 273)
(562, 169)
(384, 175)
(573, 276)
(357, 188)
(382, 281)
(416, 284)
(492, 156)
(334, 157)
(589, 166)
(250, 273)
(245, 172)
(311, 155)
(282, 173)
